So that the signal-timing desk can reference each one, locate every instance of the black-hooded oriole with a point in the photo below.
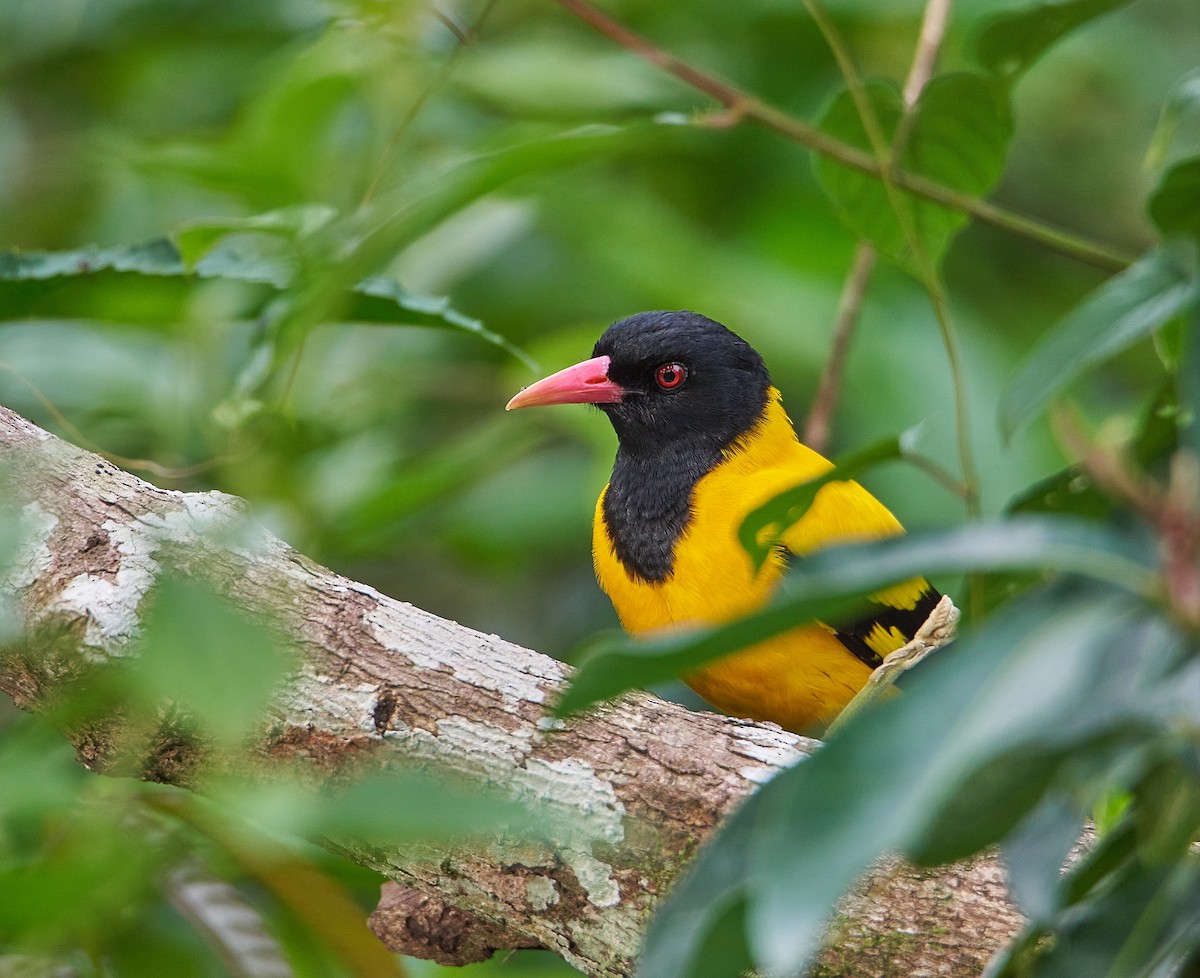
(703, 440)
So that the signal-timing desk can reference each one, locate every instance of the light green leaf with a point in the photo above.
(207, 660)
(1012, 41)
(194, 241)
(1128, 307)
(959, 139)
(1185, 97)
(953, 764)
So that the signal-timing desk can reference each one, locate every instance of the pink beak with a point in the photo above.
(584, 383)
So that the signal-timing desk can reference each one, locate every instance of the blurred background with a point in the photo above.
(371, 131)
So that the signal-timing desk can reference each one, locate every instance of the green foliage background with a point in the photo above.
(326, 171)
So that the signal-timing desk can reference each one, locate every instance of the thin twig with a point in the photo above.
(463, 39)
(81, 439)
(820, 417)
(819, 424)
(746, 106)
(927, 270)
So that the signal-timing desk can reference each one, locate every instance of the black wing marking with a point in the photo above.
(906, 620)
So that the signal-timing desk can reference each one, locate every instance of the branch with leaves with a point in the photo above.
(589, 821)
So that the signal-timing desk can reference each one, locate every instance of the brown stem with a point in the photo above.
(747, 106)
(817, 427)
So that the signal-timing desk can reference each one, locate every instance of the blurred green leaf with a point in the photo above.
(765, 526)
(1175, 203)
(1036, 851)
(49, 284)
(1072, 491)
(1185, 97)
(387, 809)
(832, 584)
(1013, 40)
(196, 240)
(960, 136)
(1048, 675)
(704, 906)
(1144, 925)
(1129, 306)
(209, 661)
(383, 300)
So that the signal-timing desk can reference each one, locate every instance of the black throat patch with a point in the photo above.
(649, 504)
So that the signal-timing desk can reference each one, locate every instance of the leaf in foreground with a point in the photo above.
(831, 585)
(1128, 307)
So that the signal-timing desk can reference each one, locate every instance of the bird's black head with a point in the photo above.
(685, 380)
(679, 389)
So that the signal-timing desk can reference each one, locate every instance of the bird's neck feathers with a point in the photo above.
(647, 505)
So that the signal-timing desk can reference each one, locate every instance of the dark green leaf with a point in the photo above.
(1167, 811)
(1036, 851)
(49, 284)
(1072, 491)
(207, 660)
(704, 908)
(1013, 40)
(1142, 926)
(765, 526)
(1010, 701)
(1175, 203)
(959, 139)
(1128, 307)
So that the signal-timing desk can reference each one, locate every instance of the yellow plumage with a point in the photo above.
(803, 677)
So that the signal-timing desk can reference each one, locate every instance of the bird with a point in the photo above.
(702, 440)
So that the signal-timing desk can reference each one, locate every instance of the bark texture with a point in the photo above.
(639, 783)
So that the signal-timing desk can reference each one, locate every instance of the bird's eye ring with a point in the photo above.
(670, 376)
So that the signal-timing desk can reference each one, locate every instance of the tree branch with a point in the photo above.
(380, 684)
(743, 105)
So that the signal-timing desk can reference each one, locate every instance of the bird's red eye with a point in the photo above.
(670, 376)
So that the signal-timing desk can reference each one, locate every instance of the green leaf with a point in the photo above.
(158, 257)
(49, 284)
(207, 660)
(392, 808)
(1175, 203)
(1144, 925)
(1072, 491)
(818, 825)
(1036, 851)
(765, 526)
(1013, 40)
(1186, 96)
(705, 907)
(1129, 306)
(1015, 699)
(196, 240)
(832, 584)
(959, 139)
(384, 300)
